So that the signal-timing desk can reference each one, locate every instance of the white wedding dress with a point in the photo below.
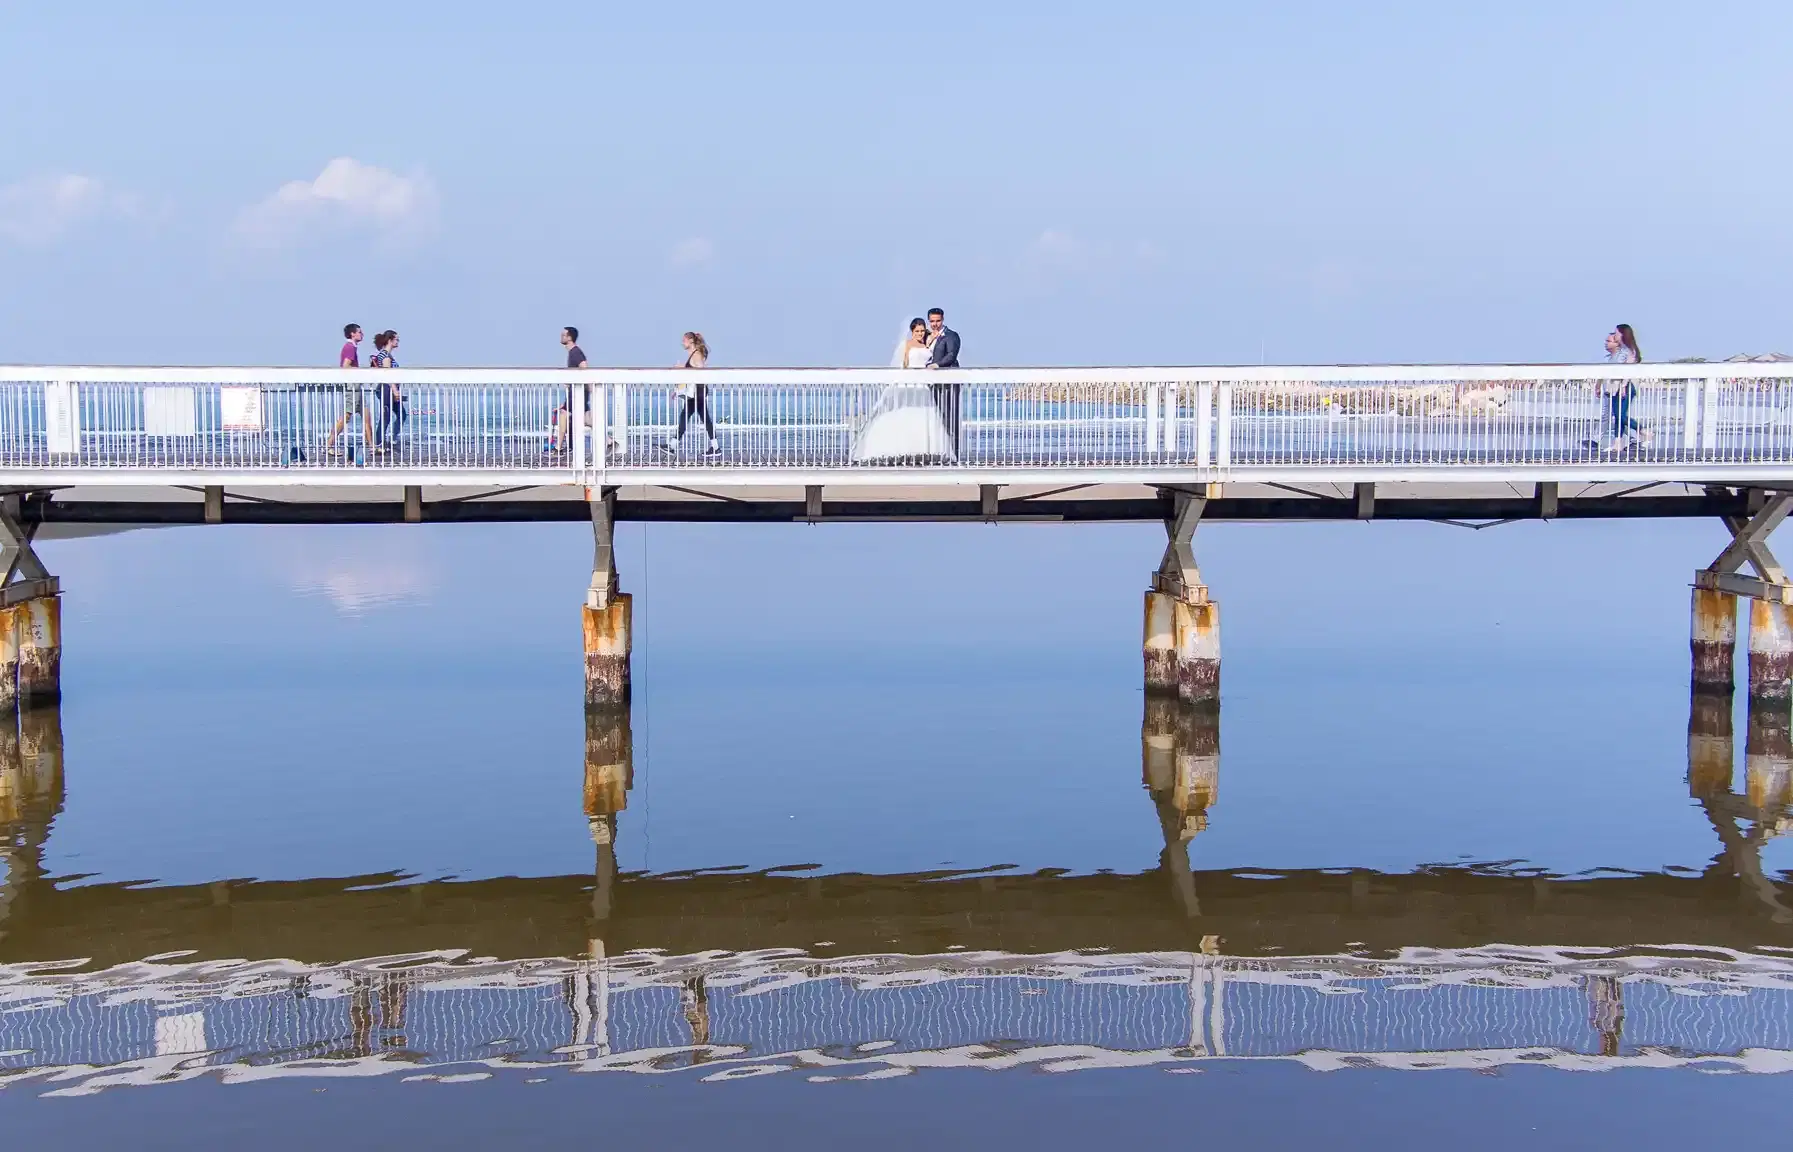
(904, 425)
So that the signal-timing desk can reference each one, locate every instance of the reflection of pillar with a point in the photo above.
(30, 798)
(1711, 747)
(1606, 1012)
(694, 999)
(1768, 758)
(609, 771)
(1180, 762)
(1767, 751)
(1770, 650)
(1714, 641)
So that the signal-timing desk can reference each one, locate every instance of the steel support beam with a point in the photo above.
(1178, 574)
(1749, 545)
(604, 581)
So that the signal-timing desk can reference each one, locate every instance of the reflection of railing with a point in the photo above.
(753, 1013)
(305, 425)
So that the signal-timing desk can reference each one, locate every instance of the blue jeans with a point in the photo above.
(391, 408)
(1618, 413)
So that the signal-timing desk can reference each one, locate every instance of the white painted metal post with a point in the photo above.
(1710, 393)
(1204, 425)
(577, 419)
(620, 419)
(600, 429)
(1151, 419)
(1690, 418)
(1223, 426)
(1170, 420)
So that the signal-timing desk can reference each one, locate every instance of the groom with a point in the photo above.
(943, 343)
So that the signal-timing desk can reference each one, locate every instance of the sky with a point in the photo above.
(1126, 183)
(1181, 183)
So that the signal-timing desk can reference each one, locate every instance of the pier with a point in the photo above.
(92, 446)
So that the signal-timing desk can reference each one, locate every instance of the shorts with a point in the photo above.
(353, 402)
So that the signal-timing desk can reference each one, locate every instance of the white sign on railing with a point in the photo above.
(62, 418)
(240, 409)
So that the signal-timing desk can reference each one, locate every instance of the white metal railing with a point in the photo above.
(546, 426)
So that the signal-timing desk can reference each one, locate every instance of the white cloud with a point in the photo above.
(43, 209)
(1054, 246)
(692, 252)
(346, 195)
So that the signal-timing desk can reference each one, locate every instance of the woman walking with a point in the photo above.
(1621, 348)
(694, 399)
(386, 394)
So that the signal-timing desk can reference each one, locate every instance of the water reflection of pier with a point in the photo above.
(841, 974)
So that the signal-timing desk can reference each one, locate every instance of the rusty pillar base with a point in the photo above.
(39, 631)
(1711, 746)
(1161, 643)
(607, 654)
(1198, 653)
(1714, 640)
(10, 624)
(1770, 650)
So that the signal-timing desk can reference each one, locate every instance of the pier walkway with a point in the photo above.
(92, 446)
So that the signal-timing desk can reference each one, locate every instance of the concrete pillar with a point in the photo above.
(1770, 650)
(1198, 652)
(1161, 642)
(39, 632)
(609, 773)
(607, 653)
(1711, 745)
(1714, 640)
(10, 624)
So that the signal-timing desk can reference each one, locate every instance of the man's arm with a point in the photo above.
(950, 341)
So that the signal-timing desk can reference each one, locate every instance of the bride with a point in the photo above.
(905, 425)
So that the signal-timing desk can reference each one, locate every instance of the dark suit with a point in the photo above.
(945, 354)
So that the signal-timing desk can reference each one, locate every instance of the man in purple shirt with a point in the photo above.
(353, 402)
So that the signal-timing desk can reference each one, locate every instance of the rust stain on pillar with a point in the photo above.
(1711, 746)
(1770, 650)
(10, 623)
(607, 653)
(39, 631)
(1714, 640)
(1161, 642)
(1198, 652)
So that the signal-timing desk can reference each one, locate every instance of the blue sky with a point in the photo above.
(1188, 182)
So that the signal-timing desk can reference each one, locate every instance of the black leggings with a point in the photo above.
(699, 405)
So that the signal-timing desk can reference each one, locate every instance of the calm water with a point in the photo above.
(892, 849)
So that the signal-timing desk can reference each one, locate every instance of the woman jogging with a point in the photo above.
(693, 399)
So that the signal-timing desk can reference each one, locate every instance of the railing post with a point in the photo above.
(1204, 425)
(1690, 417)
(577, 419)
(1170, 420)
(1152, 436)
(1709, 397)
(1223, 426)
(620, 393)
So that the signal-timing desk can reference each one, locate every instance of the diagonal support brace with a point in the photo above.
(1749, 545)
(25, 577)
(604, 583)
(1178, 575)
(1749, 541)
